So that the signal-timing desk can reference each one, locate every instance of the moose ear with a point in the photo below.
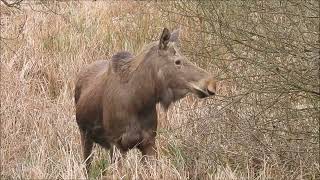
(175, 36)
(164, 39)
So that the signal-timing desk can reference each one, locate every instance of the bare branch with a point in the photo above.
(15, 4)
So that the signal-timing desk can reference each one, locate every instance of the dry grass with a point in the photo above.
(42, 49)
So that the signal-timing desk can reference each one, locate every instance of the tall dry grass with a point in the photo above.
(44, 45)
(43, 48)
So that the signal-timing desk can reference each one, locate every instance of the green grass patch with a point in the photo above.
(97, 168)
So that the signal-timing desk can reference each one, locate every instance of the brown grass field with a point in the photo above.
(43, 47)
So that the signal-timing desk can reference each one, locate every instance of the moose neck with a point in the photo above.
(147, 88)
(143, 86)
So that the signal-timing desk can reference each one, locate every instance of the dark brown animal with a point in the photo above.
(116, 100)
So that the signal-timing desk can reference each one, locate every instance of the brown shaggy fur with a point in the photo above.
(116, 100)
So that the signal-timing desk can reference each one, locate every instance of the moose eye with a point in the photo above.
(177, 62)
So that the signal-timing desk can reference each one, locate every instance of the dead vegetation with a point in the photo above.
(263, 124)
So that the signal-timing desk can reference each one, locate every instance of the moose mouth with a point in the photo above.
(200, 92)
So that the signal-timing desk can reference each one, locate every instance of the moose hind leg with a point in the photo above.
(87, 144)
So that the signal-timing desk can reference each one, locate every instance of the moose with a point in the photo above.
(116, 99)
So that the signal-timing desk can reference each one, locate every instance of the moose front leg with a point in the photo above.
(148, 149)
(114, 159)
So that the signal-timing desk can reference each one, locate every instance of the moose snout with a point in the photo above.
(211, 87)
(211, 93)
(204, 88)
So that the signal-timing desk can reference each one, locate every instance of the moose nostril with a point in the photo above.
(211, 88)
(210, 92)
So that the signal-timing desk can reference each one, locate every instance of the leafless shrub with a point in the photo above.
(266, 54)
